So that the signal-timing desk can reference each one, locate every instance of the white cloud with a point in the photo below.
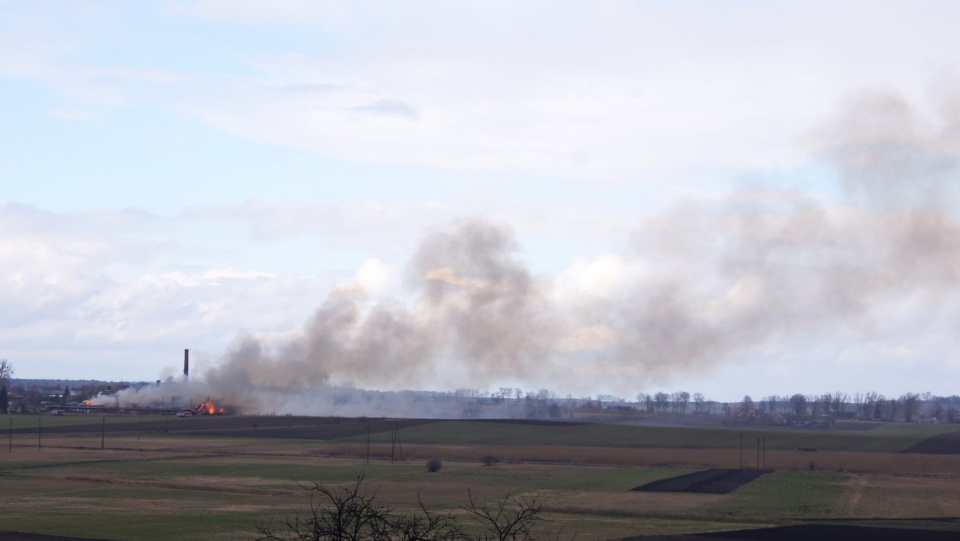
(375, 277)
(564, 89)
(605, 277)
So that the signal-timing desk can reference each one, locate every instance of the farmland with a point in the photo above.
(120, 477)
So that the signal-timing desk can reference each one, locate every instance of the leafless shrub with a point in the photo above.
(353, 513)
(510, 518)
(490, 460)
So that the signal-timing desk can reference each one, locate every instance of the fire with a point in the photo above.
(87, 403)
(208, 408)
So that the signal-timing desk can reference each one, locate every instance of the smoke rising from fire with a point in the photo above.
(475, 306)
(707, 281)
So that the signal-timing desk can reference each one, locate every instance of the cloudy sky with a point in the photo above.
(594, 197)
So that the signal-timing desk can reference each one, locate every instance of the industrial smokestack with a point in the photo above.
(186, 365)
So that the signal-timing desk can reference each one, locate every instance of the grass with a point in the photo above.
(887, 437)
(168, 486)
(785, 494)
(31, 422)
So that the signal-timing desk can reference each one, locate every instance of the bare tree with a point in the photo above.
(538, 404)
(699, 406)
(663, 400)
(820, 404)
(642, 398)
(839, 402)
(354, 514)
(910, 404)
(6, 372)
(798, 403)
(510, 518)
(343, 514)
(683, 398)
(871, 399)
(858, 403)
(879, 403)
(425, 526)
(771, 404)
(952, 414)
(936, 411)
(610, 399)
(889, 408)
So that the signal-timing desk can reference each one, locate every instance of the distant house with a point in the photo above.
(44, 392)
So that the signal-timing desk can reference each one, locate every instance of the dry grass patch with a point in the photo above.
(899, 496)
(864, 462)
(837, 461)
(627, 504)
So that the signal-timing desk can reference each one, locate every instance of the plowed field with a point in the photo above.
(713, 481)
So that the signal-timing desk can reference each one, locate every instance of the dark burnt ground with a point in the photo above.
(856, 425)
(341, 428)
(20, 536)
(713, 481)
(944, 444)
(806, 532)
(322, 428)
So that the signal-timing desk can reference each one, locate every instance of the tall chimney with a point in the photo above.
(186, 365)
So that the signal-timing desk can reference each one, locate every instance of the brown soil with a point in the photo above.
(807, 532)
(20, 536)
(944, 444)
(713, 481)
(283, 427)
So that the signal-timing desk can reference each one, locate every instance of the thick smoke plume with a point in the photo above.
(708, 280)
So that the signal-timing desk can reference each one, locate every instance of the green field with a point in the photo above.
(886, 437)
(167, 483)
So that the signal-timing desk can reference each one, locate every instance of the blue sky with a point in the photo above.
(731, 198)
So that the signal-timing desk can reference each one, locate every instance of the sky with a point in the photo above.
(612, 197)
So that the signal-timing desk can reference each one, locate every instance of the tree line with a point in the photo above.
(870, 405)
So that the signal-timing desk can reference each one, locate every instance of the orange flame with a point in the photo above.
(87, 403)
(208, 408)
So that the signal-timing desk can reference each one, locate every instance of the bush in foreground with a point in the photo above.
(490, 460)
(353, 513)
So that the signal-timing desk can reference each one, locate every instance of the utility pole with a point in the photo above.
(741, 451)
(758, 453)
(395, 444)
(764, 452)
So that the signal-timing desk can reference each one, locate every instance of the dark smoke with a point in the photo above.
(486, 308)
